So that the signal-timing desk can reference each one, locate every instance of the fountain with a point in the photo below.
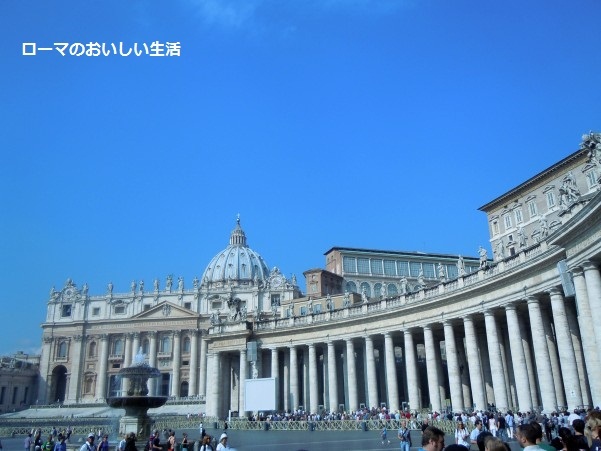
(136, 400)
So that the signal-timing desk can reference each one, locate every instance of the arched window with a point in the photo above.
(62, 349)
(377, 289)
(367, 288)
(165, 344)
(392, 289)
(118, 347)
(187, 345)
(92, 349)
(351, 287)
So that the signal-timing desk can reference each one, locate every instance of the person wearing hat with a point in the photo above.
(222, 442)
(89, 444)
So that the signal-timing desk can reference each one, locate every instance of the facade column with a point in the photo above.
(152, 361)
(177, 363)
(242, 383)
(351, 368)
(453, 367)
(520, 370)
(332, 378)
(286, 383)
(473, 363)
(313, 384)
(135, 347)
(102, 367)
(432, 370)
(76, 373)
(294, 393)
(411, 368)
(541, 356)
(560, 399)
(193, 382)
(496, 365)
(45, 376)
(587, 335)
(372, 381)
(202, 372)
(593, 288)
(577, 346)
(391, 380)
(214, 367)
(127, 358)
(275, 373)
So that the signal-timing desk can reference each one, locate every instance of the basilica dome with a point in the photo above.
(236, 263)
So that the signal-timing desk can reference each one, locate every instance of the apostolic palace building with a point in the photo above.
(514, 329)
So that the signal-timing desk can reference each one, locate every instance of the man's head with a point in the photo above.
(478, 424)
(481, 437)
(528, 434)
(433, 439)
(578, 426)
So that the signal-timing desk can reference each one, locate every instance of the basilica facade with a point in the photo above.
(375, 328)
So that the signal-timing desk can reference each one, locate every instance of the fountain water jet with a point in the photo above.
(136, 400)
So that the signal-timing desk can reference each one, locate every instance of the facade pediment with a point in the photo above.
(166, 310)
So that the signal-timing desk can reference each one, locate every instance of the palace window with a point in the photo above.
(591, 178)
(66, 311)
(96, 311)
(532, 209)
(303, 311)
(415, 268)
(119, 309)
(351, 287)
(275, 300)
(495, 227)
(402, 268)
(507, 221)
(376, 266)
(377, 289)
(518, 216)
(428, 270)
(550, 199)
(389, 268)
(363, 266)
(62, 350)
(349, 264)
(165, 345)
(118, 347)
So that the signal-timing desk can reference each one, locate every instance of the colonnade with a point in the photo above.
(537, 352)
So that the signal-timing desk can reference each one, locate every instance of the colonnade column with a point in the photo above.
(312, 379)
(453, 367)
(76, 373)
(202, 372)
(177, 363)
(127, 357)
(496, 365)
(152, 361)
(135, 347)
(242, 382)
(473, 363)
(541, 356)
(391, 380)
(412, 378)
(212, 398)
(102, 367)
(372, 381)
(432, 369)
(518, 358)
(293, 379)
(332, 378)
(587, 334)
(193, 383)
(353, 397)
(593, 288)
(275, 373)
(567, 357)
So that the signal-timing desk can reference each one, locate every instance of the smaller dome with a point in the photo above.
(237, 262)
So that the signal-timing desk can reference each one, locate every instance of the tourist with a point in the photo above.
(89, 444)
(205, 443)
(48, 444)
(130, 442)
(185, 442)
(461, 435)
(222, 442)
(527, 437)
(404, 435)
(60, 444)
(432, 439)
(476, 432)
(104, 444)
(28, 442)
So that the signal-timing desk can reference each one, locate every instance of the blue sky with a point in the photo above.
(362, 123)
